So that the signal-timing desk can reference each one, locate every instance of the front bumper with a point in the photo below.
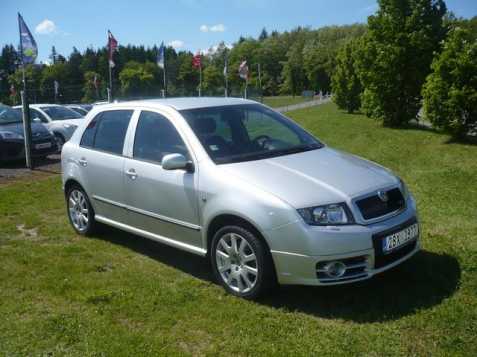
(300, 251)
(15, 149)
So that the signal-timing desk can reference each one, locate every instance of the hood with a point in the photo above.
(314, 177)
(36, 128)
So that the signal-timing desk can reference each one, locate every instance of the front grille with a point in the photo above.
(374, 207)
(355, 269)
(380, 258)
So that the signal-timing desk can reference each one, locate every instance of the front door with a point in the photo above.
(159, 201)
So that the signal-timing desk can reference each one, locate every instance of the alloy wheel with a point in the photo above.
(236, 262)
(78, 210)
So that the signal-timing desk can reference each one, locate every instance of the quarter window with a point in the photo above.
(107, 131)
(156, 137)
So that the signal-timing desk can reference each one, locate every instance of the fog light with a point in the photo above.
(335, 269)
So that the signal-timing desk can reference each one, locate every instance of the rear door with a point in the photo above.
(159, 201)
(101, 162)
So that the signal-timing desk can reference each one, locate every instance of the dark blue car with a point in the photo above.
(12, 139)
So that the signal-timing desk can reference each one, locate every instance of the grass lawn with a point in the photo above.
(284, 100)
(117, 294)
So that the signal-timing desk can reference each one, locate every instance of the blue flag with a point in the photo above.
(161, 56)
(28, 47)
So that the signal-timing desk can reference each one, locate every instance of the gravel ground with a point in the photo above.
(14, 171)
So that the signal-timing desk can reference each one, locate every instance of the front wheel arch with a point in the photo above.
(223, 220)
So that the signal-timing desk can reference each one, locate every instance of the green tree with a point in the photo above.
(212, 80)
(93, 87)
(136, 79)
(401, 40)
(294, 77)
(450, 92)
(346, 83)
(55, 72)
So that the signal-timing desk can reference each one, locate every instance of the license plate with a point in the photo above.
(43, 146)
(400, 238)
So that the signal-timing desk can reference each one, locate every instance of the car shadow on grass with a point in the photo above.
(419, 283)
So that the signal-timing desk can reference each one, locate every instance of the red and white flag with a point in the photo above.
(197, 61)
(112, 47)
(243, 70)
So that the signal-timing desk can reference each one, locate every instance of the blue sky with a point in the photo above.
(186, 24)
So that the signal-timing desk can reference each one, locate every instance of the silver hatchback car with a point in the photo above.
(235, 181)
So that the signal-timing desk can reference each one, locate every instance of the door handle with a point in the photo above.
(83, 162)
(132, 174)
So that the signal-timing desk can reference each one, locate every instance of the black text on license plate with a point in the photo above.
(400, 238)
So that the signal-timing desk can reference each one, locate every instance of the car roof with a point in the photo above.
(36, 105)
(185, 103)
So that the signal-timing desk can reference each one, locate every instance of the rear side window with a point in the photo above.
(156, 137)
(106, 132)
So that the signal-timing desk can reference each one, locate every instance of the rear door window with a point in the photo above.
(107, 131)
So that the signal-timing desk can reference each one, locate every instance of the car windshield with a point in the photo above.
(247, 132)
(9, 115)
(60, 113)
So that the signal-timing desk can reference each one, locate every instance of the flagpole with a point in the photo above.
(164, 78)
(110, 91)
(200, 79)
(226, 86)
(226, 77)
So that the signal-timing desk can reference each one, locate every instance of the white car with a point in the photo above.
(61, 121)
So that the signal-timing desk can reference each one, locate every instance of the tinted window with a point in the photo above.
(247, 132)
(107, 131)
(156, 137)
(36, 114)
(61, 113)
(88, 135)
(9, 115)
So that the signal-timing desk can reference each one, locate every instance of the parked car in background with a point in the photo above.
(58, 119)
(12, 139)
(237, 182)
(82, 109)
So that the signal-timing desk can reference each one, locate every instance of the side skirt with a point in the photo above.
(152, 236)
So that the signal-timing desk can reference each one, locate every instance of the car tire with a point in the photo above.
(244, 268)
(80, 212)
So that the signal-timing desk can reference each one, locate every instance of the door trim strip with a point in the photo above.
(149, 214)
(152, 236)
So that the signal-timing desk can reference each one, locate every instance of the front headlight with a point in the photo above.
(327, 215)
(10, 135)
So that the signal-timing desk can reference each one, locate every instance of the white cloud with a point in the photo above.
(213, 28)
(46, 27)
(217, 28)
(176, 44)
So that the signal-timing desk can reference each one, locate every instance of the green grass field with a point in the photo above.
(118, 294)
(284, 100)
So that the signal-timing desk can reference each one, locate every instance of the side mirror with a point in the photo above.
(177, 162)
